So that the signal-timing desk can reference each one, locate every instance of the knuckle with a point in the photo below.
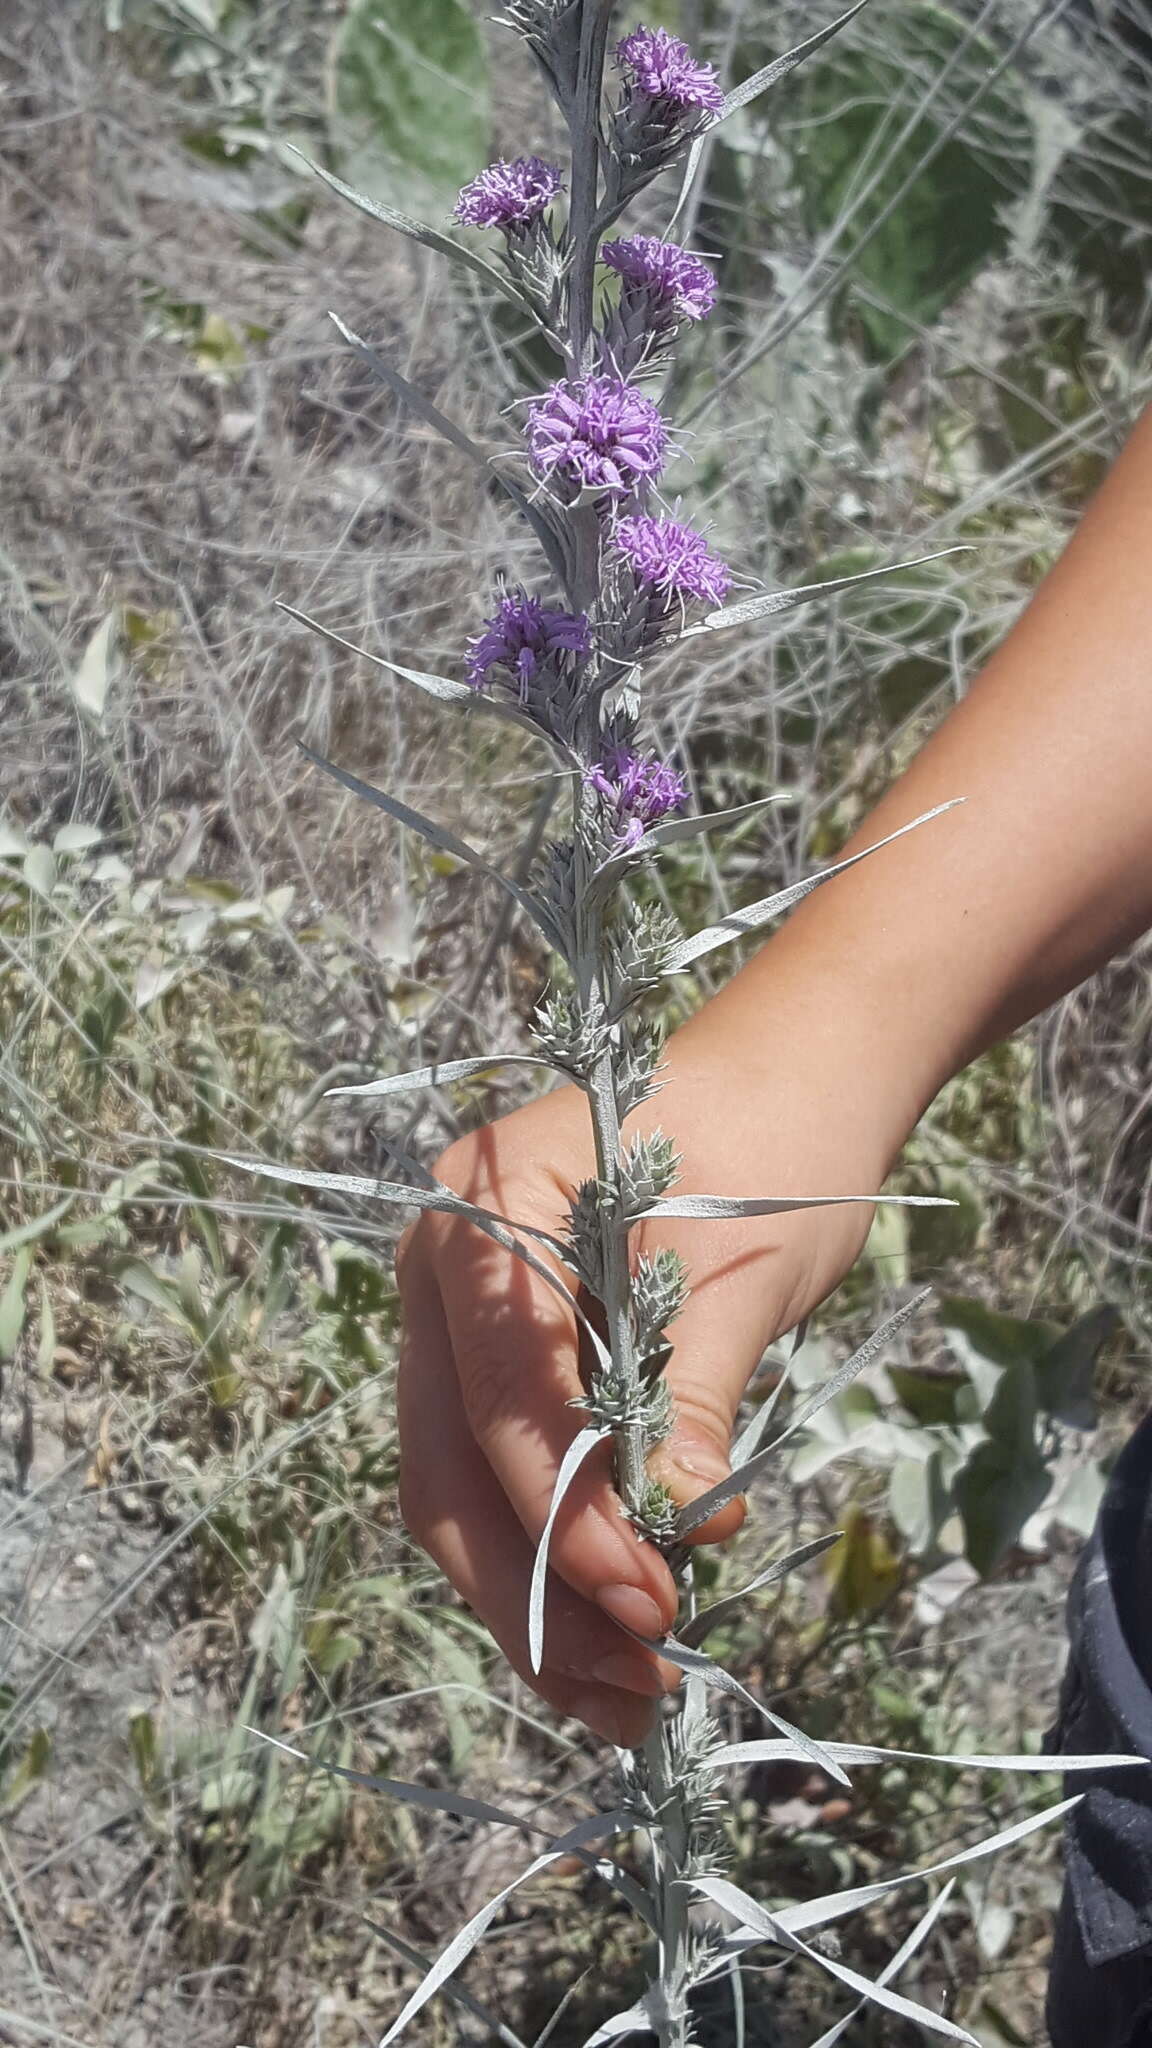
(491, 1391)
(704, 1407)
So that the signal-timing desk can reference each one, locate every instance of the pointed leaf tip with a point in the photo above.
(739, 923)
(701, 1510)
(696, 1664)
(760, 1925)
(771, 603)
(462, 1944)
(441, 1074)
(760, 81)
(570, 1464)
(417, 231)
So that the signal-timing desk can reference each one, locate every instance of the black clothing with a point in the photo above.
(1100, 1982)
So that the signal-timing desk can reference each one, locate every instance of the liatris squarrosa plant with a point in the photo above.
(623, 576)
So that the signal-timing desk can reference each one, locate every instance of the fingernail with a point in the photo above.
(614, 1723)
(632, 1674)
(702, 1459)
(632, 1609)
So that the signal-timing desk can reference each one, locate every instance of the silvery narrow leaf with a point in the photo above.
(455, 1992)
(700, 1666)
(622, 1881)
(433, 417)
(675, 830)
(417, 231)
(852, 1367)
(463, 1943)
(772, 602)
(433, 685)
(437, 835)
(443, 688)
(736, 1986)
(411, 396)
(701, 1510)
(634, 2021)
(866, 1753)
(740, 922)
(427, 1796)
(439, 1076)
(694, 1631)
(751, 1437)
(440, 1199)
(759, 1925)
(760, 81)
(694, 1712)
(836, 1905)
(498, 1228)
(892, 1968)
(716, 1208)
(570, 1464)
(770, 74)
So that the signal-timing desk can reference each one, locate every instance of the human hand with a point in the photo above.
(803, 1077)
(489, 1372)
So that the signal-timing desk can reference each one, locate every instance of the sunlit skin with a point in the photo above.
(804, 1076)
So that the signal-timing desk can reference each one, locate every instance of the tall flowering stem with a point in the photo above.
(598, 445)
(584, 128)
(625, 576)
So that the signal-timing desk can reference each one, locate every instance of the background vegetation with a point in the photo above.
(937, 309)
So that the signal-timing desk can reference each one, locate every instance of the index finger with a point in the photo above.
(515, 1346)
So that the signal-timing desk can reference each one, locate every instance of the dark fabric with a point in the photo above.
(1100, 1982)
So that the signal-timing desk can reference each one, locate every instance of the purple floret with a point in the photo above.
(641, 787)
(521, 635)
(674, 281)
(662, 68)
(509, 195)
(672, 558)
(599, 433)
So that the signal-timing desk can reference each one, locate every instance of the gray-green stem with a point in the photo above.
(669, 1833)
(600, 1089)
(669, 1840)
(630, 1446)
(582, 228)
(668, 1836)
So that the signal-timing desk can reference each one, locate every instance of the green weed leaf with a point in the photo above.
(410, 97)
(929, 213)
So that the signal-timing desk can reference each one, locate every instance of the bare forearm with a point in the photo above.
(901, 971)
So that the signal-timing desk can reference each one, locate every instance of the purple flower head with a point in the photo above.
(641, 788)
(521, 635)
(509, 195)
(672, 558)
(662, 68)
(674, 281)
(599, 433)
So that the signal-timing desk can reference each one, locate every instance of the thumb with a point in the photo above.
(692, 1459)
(719, 1339)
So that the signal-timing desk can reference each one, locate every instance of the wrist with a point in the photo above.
(824, 1071)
